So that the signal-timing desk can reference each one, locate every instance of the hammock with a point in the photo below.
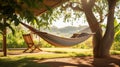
(59, 41)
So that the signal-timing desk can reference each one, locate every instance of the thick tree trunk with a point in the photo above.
(104, 45)
(108, 38)
(101, 43)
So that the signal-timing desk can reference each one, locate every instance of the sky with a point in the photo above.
(60, 24)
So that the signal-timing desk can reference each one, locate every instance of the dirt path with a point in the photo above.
(114, 61)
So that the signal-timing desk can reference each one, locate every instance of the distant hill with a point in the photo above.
(66, 31)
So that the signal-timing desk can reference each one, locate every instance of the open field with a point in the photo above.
(67, 51)
(55, 57)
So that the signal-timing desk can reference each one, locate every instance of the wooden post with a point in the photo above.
(4, 41)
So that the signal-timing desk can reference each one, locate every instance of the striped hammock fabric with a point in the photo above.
(59, 41)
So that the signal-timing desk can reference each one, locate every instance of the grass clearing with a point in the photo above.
(27, 60)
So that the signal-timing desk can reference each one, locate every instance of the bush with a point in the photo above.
(116, 46)
(45, 44)
(84, 45)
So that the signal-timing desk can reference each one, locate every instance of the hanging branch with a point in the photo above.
(102, 19)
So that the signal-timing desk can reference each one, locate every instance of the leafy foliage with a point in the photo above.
(116, 43)
(117, 30)
(16, 11)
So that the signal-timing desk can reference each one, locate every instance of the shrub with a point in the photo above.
(116, 46)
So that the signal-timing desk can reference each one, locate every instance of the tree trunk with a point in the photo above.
(101, 43)
(104, 45)
(4, 41)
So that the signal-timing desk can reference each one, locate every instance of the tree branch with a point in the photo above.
(84, 4)
(91, 3)
(102, 19)
(88, 4)
(92, 21)
(99, 10)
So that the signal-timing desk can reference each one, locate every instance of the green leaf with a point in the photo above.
(2, 26)
(31, 3)
(116, 25)
(41, 0)
(102, 25)
(8, 25)
(28, 2)
(1, 32)
(117, 36)
(29, 16)
(48, 8)
(115, 22)
(16, 22)
(13, 31)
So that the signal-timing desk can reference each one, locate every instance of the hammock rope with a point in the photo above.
(59, 41)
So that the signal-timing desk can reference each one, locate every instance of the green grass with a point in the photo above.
(28, 60)
(70, 51)
(20, 62)
(115, 52)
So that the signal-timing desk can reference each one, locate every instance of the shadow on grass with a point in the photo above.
(107, 62)
(62, 64)
(29, 62)
(24, 62)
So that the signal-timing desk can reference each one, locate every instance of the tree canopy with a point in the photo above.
(12, 12)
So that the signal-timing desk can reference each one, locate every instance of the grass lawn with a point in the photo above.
(27, 59)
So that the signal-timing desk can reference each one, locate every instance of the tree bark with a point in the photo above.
(4, 41)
